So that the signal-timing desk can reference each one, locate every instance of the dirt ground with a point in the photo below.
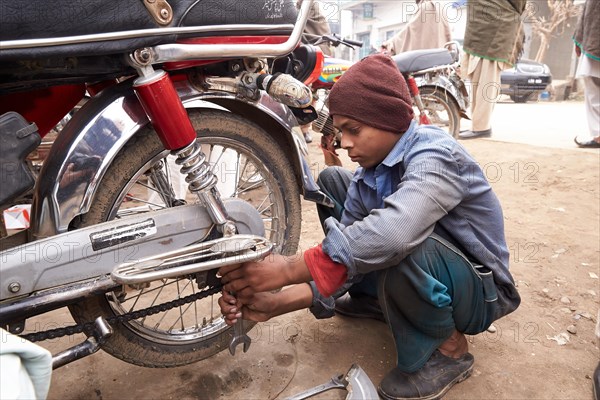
(545, 350)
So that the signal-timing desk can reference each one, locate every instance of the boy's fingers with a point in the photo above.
(227, 269)
(235, 286)
(227, 298)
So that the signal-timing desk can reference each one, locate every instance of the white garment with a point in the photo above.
(25, 368)
(427, 29)
(484, 78)
(588, 67)
(589, 72)
(592, 104)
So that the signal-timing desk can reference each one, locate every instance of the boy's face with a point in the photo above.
(366, 145)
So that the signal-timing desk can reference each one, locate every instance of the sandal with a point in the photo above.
(589, 144)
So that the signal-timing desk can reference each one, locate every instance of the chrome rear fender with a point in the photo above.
(88, 144)
(442, 82)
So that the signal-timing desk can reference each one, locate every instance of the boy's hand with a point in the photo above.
(260, 308)
(272, 273)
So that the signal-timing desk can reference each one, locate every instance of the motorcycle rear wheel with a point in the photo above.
(441, 109)
(195, 331)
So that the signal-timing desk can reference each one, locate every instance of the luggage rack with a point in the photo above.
(183, 52)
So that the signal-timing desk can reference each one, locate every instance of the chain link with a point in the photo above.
(88, 327)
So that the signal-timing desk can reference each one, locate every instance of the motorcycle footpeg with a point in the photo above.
(192, 259)
(102, 331)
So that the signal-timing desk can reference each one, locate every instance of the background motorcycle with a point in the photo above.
(438, 92)
(439, 95)
(110, 235)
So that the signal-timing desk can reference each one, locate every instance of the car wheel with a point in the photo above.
(521, 98)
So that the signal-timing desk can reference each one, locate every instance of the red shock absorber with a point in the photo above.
(412, 85)
(414, 92)
(163, 105)
(172, 123)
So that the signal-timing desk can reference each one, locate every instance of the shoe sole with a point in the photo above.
(435, 396)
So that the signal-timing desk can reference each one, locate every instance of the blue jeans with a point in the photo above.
(429, 294)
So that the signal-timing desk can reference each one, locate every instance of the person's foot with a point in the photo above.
(590, 143)
(475, 134)
(455, 346)
(430, 382)
(359, 307)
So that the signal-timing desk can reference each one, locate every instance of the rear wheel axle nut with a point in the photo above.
(14, 287)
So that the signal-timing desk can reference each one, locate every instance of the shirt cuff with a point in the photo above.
(327, 274)
(322, 307)
(337, 247)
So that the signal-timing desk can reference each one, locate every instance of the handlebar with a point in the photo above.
(353, 42)
(454, 48)
(334, 40)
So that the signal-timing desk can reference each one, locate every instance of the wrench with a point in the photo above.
(356, 382)
(239, 337)
(337, 382)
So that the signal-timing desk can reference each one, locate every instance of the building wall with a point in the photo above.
(388, 16)
(560, 56)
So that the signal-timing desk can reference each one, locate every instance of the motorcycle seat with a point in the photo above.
(43, 19)
(417, 60)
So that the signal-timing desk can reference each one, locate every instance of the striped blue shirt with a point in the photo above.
(427, 184)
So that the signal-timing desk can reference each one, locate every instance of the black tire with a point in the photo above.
(441, 109)
(140, 342)
(521, 98)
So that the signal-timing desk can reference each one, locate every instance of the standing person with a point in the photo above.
(492, 44)
(316, 26)
(417, 230)
(587, 42)
(427, 29)
(25, 368)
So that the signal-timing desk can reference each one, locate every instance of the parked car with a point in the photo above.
(525, 81)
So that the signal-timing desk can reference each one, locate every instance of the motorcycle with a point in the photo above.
(171, 88)
(439, 95)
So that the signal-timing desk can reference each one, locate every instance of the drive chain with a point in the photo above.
(88, 327)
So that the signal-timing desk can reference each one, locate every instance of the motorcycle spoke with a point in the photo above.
(144, 201)
(136, 300)
(241, 175)
(248, 189)
(139, 295)
(165, 284)
(148, 187)
(160, 193)
(216, 162)
(264, 210)
(237, 171)
(180, 311)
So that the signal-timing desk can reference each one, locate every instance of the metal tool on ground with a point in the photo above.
(356, 382)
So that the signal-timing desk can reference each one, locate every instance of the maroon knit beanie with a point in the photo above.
(374, 92)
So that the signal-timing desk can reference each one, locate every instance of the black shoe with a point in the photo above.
(359, 307)
(589, 143)
(475, 134)
(431, 382)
